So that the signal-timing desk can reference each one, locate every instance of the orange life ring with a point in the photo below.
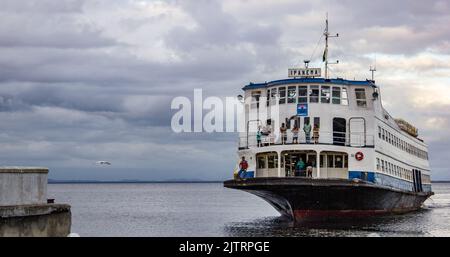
(359, 156)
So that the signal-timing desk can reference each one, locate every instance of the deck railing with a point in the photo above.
(353, 139)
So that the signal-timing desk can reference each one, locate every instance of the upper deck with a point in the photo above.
(341, 110)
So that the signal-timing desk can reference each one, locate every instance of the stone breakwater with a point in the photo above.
(24, 207)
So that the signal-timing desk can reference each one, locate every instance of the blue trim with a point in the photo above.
(386, 180)
(249, 174)
(394, 182)
(309, 80)
(363, 175)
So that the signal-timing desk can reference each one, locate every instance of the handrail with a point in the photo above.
(354, 139)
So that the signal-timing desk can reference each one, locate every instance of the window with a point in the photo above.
(255, 96)
(321, 160)
(325, 94)
(378, 163)
(303, 94)
(272, 161)
(261, 162)
(382, 165)
(379, 132)
(268, 97)
(306, 120)
(273, 96)
(344, 96)
(316, 122)
(282, 93)
(360, 97)
(345, 161)
(314, 94)
(338, 161)
(292, 94)
(330, 161)
(384, 134)
(339, 131)
(255, 99)
(336, 95)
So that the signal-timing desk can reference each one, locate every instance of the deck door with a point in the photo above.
(357, 131)
(417, 181)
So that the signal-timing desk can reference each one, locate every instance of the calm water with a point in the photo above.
(192, 209)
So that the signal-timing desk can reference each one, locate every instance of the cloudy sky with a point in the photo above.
(88, 80)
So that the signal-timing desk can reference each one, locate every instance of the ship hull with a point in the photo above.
(303, 199)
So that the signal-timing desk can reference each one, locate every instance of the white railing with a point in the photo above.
(325, 137)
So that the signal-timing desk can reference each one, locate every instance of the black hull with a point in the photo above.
(305, 198)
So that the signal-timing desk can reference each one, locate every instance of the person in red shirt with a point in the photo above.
(243, 166)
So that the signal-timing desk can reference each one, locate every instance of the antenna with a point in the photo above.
(373, 69)
(325, 52)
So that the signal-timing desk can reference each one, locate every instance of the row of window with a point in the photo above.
(394, 170)
(271, 159)
(311, 94)
(392, 139)
(330, 161)
(334, 161)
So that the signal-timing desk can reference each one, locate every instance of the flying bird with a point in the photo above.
(103, 163)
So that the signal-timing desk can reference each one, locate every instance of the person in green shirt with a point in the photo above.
(299, 166)
(307, 129)
(258, 137)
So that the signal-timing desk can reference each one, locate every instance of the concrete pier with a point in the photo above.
(24, 210)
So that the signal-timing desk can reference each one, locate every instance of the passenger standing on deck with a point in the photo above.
(299, 167)
(243, 166)
(295, 135)
(316, 134)
(307, 129)
(258, 137)
(283, 133)
(309, 169)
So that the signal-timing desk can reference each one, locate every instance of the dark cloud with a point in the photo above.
(82, 81)
(48, 24)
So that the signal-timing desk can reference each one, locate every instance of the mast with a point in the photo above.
(373, 69)
(327, 35)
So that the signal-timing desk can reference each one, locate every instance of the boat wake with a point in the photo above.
(438, 202)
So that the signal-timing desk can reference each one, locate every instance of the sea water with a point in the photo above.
(209, 209)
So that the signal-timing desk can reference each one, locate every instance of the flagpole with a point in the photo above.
(325, 52)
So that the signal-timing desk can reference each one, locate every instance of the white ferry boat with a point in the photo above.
(363, 160)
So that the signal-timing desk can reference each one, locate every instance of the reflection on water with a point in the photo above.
(209, 209)
(432, 220)
(394, 225)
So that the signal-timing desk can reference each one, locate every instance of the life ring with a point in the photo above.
(359, 156)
